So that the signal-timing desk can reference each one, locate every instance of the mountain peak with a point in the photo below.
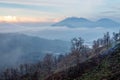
(106, 22)
(105, 19)
(76, 19)
(74, 22)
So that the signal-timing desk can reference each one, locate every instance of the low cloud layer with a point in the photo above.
(50, 32)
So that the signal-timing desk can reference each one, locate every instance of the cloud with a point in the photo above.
(58, 8)
(109, 12)
(49, 32)
(61, 8)
(27, 6)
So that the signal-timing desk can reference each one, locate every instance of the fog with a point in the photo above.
(47, 32)
(59, 32)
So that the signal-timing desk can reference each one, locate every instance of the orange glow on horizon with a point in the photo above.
(27, 19)
(7, 19)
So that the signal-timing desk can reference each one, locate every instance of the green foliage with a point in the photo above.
(98, 73)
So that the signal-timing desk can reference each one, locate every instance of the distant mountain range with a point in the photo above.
(19, 48)
(74, 22)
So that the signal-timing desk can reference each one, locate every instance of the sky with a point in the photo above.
(56, 10)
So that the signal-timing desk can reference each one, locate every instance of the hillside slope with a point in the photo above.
(18, 48)
(103, 67)
(109, 68)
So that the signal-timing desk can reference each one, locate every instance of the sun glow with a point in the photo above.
(8, 19)
(27, 19)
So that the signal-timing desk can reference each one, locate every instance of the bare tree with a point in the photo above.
(107, 39)
(116, 37)
(77, 47)
(95, 47)
(48, 62)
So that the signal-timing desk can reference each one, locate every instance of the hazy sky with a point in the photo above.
(55, 10)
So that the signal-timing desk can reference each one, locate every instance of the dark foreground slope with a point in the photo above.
(109, 68)
(103, 67)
